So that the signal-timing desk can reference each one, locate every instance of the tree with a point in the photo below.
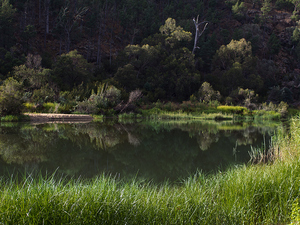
(207, 93)
(31, 74)
(7, 13)
(68, 20)
(70, 70)
(198, 33)
(235, 51)
(28, 34)
(266, 9)
(158, 68)
(173, 33)
(274, 44)
(239, 10)
(10, 97)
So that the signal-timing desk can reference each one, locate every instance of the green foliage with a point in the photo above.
(10, 98)
(28, 34)
(295, 16)
(107, 96)
(252, 33)
(44, 94)
(277, 95)
(31, 74)
(284, 4)
(208, 94)
(266, 8)
(232, 109)
(8, 60)
(295, 215)
(71, 70)
(281, 108)
(248, 95)
(29, 107)
(161, 71)
(296, 35)
(14, 118)
(174, 33)
(235, 51)
(7, 13)
(239, 10)
(274, 44)
(262, 194)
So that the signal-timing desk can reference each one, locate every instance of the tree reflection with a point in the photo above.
(152, 150)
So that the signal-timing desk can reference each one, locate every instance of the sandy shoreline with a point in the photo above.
(51, 117)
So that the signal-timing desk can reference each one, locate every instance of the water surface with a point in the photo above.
(156, 151)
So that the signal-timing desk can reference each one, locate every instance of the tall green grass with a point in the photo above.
(249, 194)
(245, 195)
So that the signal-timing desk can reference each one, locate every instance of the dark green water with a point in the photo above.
(154, 151)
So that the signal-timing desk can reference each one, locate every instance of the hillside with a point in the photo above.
(251, 44)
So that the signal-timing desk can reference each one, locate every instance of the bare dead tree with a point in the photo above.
(198, 33)
(47, 9)
(134, 96)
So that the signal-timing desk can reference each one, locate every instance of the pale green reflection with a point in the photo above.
(150, 150)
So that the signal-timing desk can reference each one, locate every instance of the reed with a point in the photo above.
(244, 195)
(250, 194)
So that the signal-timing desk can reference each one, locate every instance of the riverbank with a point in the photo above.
(252, 194)
(245, 195)
(51, 117)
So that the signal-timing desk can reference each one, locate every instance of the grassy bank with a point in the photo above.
(257, 194)
(246, 195)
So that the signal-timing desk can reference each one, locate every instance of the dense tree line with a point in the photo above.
(65, 51)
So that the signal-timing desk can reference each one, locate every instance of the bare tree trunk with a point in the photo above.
(198, 33)
(60, 43)
(99, 46)
(68, 41)
(40, 13)
(111, 34)
(47, 15)
(110, 46)
(135, 31)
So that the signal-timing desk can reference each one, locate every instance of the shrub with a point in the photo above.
(10, 98)
(86, 106)
(107, 96)
(208, 94)
(44, 94)
(65, 108)
(50, 107)
(284, 4)
(29, 107)
(232, 109)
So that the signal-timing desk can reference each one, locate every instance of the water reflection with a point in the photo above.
(149, 150)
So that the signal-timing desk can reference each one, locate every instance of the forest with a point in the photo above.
(95, 56)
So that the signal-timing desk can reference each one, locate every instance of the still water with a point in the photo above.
(155, 151)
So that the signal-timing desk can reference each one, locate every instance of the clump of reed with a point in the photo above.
(243, 195)
(266, 193)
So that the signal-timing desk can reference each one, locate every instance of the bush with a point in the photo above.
(232, 109)
(29, 107)
(65, 108)
(86, 107)
(10, 98)
(284, 4)
(44, 94)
